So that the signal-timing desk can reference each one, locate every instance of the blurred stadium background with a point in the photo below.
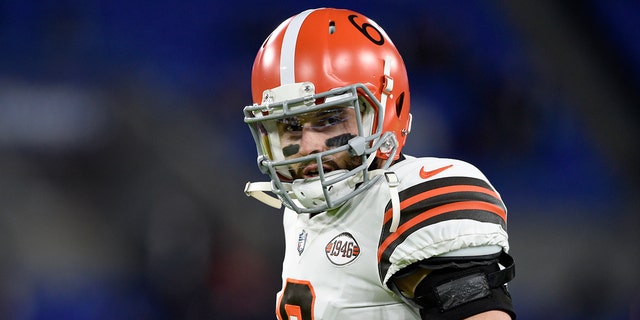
(123, 154)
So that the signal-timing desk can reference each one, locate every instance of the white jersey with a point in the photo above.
(337, 263)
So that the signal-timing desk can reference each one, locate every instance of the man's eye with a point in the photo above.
(290, 125)
(330, 118)
(292, 128)
(318, 121)
(329, 121)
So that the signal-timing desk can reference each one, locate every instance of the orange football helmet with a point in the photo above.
(319, 59)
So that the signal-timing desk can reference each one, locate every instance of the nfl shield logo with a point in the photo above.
(302, 240)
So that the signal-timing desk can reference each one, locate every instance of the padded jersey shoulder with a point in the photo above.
(446, 205)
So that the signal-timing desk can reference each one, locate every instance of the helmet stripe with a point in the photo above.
(288, 50)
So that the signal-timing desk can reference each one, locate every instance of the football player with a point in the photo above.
(371, 232)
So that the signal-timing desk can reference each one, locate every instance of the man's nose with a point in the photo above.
(312, 141)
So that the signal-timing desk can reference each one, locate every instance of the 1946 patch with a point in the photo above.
(343, 249)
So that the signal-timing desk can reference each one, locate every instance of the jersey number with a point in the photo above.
(296, 301)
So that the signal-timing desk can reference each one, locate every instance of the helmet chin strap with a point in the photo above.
(258, 190)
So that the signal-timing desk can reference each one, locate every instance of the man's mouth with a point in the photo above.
(311, 170)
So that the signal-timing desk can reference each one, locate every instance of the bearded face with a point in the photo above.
(317, 132)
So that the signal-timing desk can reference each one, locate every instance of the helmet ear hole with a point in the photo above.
(399, 104)
(332, 27)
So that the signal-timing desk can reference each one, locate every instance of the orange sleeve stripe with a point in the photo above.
(437, 192)
(466, 205)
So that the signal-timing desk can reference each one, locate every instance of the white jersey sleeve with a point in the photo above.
(448, 207)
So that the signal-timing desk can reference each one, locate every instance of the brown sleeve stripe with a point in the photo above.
(468, 206)
(439, 192)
